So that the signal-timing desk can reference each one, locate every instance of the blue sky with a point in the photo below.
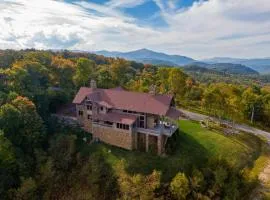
(195, 28)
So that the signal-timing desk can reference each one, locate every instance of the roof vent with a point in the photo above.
(152, 90)
(93, 84)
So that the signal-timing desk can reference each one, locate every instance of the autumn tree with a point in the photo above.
(177, 82)
(179, 186)
(137, 186)
(85, 71)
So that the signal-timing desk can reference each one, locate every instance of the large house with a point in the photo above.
(130, 120)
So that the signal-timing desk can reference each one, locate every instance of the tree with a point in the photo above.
(100, 178)
(179, 186)
(84, 72)
(32, 130)
(9, 174)
(28, 78)
(63, 150)
(163, 79)
(214, 101)
(27, 190)
(252, 102)
(62, 72)
(104, 78)
(10, 121)
(137, 186)
(121, 71)
(177, 82)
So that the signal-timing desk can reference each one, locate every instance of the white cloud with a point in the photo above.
(125, 3)
(239, 28)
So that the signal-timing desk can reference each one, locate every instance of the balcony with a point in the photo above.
(161, 128)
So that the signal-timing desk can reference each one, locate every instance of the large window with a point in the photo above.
(142, 121)
(80, 113)
(122, 126)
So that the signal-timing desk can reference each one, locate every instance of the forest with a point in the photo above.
(41, 158)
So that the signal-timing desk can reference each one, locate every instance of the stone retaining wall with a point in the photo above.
(114, 137)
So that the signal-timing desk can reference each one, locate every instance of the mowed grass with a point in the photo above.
(194, 146)
(237, 150)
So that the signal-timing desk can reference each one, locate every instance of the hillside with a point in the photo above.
(227, 68)
(232, 68)
(262, 65)
(47, 160)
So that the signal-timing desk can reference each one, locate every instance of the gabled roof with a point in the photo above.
(126, 100)
(173, 113)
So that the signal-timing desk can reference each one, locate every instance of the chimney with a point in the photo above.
(93, 84)
(152, 90)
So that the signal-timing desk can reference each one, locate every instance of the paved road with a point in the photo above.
(240, 127)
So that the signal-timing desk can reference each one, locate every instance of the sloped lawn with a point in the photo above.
(194, 146)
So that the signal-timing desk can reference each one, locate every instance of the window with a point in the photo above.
(126, 127)
(142, 121)
(89, 117)
(80, 113)
(122, 126)
(108, 123)
(101, 108)
(89, 107)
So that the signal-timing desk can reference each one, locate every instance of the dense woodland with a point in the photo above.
(42, 159)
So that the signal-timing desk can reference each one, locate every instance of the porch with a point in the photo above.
(162, 127)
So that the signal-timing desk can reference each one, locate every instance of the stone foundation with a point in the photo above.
(119, 138)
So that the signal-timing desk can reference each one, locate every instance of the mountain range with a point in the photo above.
(221, 64)
(149, 57)
(261, 65)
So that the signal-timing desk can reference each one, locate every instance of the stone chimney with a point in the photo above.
(93, 84)
(152, 90)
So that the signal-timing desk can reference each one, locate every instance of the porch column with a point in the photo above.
(159, 144)
(146, 142)
(135, 140)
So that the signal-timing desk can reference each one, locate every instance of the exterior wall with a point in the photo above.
(150, 121)
(116, 137)
(127, 139)
(153, 143)
(141, 141)
(81, 119)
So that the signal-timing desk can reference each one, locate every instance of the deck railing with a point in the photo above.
(159, 129)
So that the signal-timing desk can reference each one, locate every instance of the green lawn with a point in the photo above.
(194, 146)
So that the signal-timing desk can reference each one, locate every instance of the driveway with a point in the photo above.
(240, 127)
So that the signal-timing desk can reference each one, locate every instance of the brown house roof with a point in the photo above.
(126, 100)
(173, 113)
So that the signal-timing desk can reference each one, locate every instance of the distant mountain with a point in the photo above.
(227, 68)
(262, 65)
(149, 57)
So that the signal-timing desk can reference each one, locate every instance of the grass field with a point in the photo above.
(194, 146)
